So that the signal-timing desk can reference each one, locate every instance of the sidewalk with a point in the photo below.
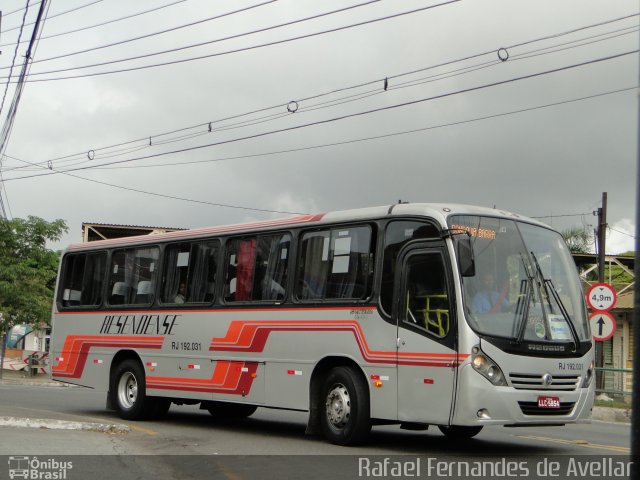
(10, 377)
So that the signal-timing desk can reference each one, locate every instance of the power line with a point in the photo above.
(323, 146)
(78, 157)
(378, 137)
(357, 114)
(201, 57)
(108, 22)
(7, 127)
(172, 29)
(623, 233)
(13, 61)
(56, 15)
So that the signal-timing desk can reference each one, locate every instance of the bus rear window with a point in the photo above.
(82, 280)
(335, 264)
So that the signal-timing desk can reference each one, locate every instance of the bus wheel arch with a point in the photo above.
(339, 401)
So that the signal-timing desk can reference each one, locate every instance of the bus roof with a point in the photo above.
(437, 211)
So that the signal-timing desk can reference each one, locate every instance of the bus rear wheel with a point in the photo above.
(459, 433)
(344, 404)
(128, 392)
(230, 410)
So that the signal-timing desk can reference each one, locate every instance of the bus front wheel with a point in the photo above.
(345, 416)
(459, 433)
(128, 391)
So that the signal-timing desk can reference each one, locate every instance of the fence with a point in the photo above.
(614, 382)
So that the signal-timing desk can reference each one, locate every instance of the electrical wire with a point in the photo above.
(78, 157)
(361, 113)
(108, 22)
(13, 61)
(58, 14)
(172, 29)
(218, 54)
(322, 146)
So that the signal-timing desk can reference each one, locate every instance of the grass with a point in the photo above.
(612, 404)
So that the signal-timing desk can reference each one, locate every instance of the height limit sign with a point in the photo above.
(602, 297)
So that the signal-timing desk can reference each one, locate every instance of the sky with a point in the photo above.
(319, 106)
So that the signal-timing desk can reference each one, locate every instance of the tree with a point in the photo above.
(578, 239)
(27, 270)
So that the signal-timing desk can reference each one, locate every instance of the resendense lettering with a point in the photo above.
(139, 324)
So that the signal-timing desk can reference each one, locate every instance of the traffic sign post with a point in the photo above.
(601, 297)
(603, 326)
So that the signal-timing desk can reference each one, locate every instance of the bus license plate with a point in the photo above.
(548, 402)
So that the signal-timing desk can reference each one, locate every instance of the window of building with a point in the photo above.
(257, 268)
(133, 276)
(189, 274)
(397, 234)
(82, 279)
(335, 264)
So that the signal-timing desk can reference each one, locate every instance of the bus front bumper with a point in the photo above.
(479, 402)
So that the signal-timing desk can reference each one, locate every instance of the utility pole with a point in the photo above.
(601, 235)
(635, 390)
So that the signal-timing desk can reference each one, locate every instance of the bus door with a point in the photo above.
(426, 334)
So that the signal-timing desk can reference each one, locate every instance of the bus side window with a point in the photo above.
(133, 276)
(397, 234)
(257, 268)
(336, 264)
(426, 294)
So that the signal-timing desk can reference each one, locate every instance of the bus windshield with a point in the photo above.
(525, 286)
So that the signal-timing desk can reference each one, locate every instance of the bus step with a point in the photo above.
(414, 426)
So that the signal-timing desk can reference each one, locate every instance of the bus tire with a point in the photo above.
(459, 433)
(344, 404)
(128, 391)
(224, 410)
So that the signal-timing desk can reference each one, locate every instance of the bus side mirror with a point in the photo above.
(466, 262)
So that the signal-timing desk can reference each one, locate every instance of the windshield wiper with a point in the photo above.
(549, 287)
(527, 286)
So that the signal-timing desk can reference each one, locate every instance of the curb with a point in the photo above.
(50, 424)
(34, 383)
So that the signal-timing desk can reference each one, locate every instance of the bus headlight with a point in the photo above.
(486, 367)
(589, 376)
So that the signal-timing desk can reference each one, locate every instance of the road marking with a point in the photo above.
(136, 428)
(580, 443)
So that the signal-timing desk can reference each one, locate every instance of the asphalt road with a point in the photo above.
(189, 443)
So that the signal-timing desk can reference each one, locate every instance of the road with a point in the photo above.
(188, 431)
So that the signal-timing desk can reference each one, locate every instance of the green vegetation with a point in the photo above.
(578, 239)
(612, 404)
(27, 270)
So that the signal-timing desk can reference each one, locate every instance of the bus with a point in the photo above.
(413, 314)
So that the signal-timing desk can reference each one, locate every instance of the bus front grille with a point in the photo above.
(535, 381)
(532, 408)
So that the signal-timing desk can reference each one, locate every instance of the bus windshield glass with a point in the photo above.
(525, 286)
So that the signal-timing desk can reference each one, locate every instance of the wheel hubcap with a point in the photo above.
(338, 406)
(128, 390)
